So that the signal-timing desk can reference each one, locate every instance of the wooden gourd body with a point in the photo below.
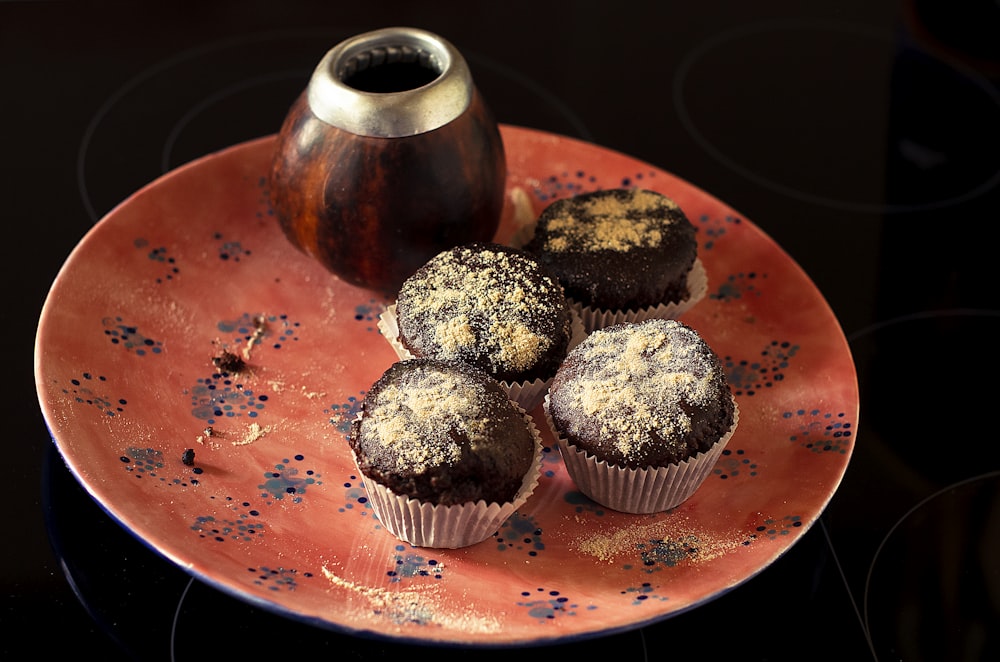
(372, 210)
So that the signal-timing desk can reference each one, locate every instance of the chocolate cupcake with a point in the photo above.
(641, 412)
(490, 306)
(444, 454)
(621, 255)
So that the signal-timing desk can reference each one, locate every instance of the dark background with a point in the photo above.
(864, 137)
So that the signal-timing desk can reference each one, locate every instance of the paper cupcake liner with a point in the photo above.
(598, 318)
(639, 491)
(525, 218)
(424, 524)
(527, 394)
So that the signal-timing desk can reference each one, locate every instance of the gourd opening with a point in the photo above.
(389, 69)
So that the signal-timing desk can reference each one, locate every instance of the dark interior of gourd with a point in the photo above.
(390, 77)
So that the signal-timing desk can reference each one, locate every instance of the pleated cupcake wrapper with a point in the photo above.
(527, 394)
(598, 318)
(639, 491)
(525, 231)
(425, 524)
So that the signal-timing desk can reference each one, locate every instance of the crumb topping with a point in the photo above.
(483, 302)
(635, 218)
(638, 383)
(420, 420)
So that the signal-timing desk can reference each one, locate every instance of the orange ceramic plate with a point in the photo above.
(272, 510)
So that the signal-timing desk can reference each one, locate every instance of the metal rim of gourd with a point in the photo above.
(391, 114)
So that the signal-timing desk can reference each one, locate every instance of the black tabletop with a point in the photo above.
(862, 136)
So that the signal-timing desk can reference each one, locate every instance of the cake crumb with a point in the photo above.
(254, 433)
(312, 395)
(260, 328)
(207, 433)
(227, 361)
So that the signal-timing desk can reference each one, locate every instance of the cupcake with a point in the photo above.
(641, 412)
(444, 454)
(490, 306)
(621, 255)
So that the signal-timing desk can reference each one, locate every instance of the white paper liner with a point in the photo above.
(639, 491)
(597, 318)
(526, 394)
(525, 218)
(425, 524)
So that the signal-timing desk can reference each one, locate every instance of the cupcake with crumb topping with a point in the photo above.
(641, 412)
(621, 255)
(490, 306)
(444, 454)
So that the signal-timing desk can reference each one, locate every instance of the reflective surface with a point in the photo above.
(815, 121)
